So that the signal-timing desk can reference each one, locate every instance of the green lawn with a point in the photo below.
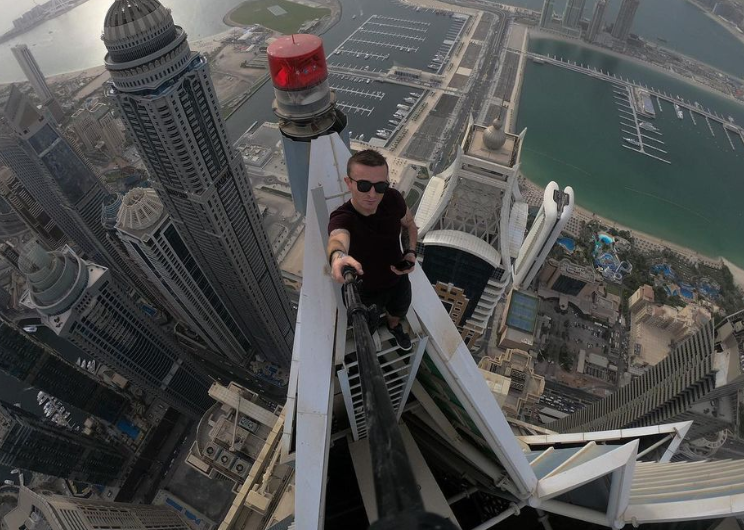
(257, 12)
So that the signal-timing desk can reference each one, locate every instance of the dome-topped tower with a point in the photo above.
(140, 209)
(494, 136)
(167, 101)
(143, 43)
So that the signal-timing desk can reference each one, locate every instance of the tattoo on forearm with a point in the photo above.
(405, 237)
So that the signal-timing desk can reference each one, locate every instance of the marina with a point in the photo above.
(690, 202)
(678, 102)
(391, 41)
(630, 104)
(360, 64)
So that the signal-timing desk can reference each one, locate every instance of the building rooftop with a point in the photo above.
(466, 242)
(475, 146)
(522, 312)
(140, 209)
(123, 12)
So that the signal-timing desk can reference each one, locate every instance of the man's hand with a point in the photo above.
(409, 257)
(338, 265)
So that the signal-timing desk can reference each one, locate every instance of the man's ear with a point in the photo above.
(348, 182)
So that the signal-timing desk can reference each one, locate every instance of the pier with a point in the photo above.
(391, 19)
(710, 126)
(359, 53)
(372, 94)
(396, 26)
(629, 124)
(619, 80)
(725, 131)
(356, 109)
(393, 35)
(384, 45)
(692, 117)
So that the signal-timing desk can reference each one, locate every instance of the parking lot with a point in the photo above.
(569, 334)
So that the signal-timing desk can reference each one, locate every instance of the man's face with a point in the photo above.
(367, 202)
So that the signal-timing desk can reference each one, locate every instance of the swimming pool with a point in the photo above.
(567, 243)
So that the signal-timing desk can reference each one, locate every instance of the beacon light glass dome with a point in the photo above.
(297, 62)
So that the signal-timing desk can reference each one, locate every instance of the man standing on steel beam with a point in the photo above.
(367, 232)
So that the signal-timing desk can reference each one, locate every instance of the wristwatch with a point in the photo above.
(410, 251)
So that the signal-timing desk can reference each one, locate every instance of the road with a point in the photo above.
(482, 78)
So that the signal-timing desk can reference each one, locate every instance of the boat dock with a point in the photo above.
(384, 45)
(372, 94)
(658, 94)
(397, 26)
(392, 19)
(726, 132)
(641, 139)
(710, 126)
(403, 36)
(356, 109)
(359, 53)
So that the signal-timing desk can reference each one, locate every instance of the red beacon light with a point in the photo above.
(297, 62)
(299, 73)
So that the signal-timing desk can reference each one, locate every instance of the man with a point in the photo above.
(366, 233)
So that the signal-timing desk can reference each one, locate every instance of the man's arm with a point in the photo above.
(409, 234)
(409, 238)
(338, 247)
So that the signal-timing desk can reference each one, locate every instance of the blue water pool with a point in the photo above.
(567, 243)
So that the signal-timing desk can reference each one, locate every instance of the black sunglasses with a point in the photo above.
(364, 185)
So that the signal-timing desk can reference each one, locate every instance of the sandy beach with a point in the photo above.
(533, 192)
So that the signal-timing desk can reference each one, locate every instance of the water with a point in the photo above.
(694, 202)
(73, 41)
(686, 29)
(258, 108)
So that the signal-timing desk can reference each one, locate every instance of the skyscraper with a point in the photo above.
(35, 76)
(596, 23)
(456, 437)
(553, 215)
(95, 124)
(22, 357)
(29, 210)
(29, 443)
(165, 95)
(70, 513)
(684, 386)
(624, 21)
(61, 180)
(472, 221)
(155, 245)
(572, 14)
(546, 16)
(81, 302)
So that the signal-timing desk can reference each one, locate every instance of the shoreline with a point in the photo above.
(718, 20)
(584, 214)
(539, 33)
(580, 212)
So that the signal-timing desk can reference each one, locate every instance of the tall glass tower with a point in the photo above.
(63, 183)
(81, 302)
(624, 21)
(165, 96)
(29, 443)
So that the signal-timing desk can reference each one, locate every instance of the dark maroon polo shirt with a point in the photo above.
(375, 239)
